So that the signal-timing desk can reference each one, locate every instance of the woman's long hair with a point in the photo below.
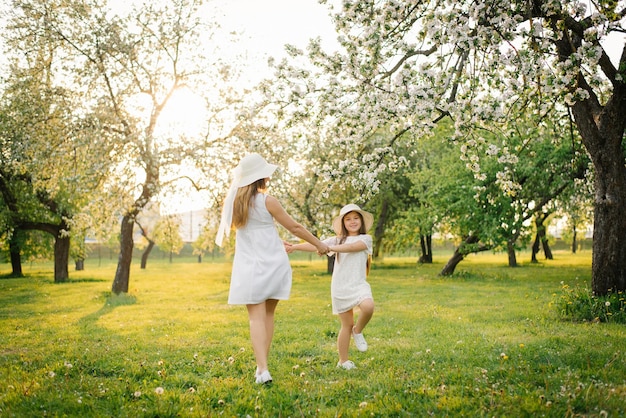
(243, 201)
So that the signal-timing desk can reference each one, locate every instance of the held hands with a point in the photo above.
(323, 249)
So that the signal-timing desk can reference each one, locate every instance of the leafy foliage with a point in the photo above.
(578, 303)
(510, 76)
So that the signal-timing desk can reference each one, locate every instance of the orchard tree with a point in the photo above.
(457, 199)
(321, 174)
(299, 152)
(205, 242)
(167, 235)
(128, 67)
(49, 155)
(409, 64)
(577, 209)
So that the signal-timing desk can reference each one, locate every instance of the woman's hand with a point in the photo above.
(288, 247)
(323, 249)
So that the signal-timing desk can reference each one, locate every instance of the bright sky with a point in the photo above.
(267, 25)
(263, 28)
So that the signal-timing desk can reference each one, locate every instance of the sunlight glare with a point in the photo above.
(184, 115)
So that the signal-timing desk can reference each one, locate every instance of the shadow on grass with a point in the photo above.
(11, 276)
(389, 266)
(23, 276)
(111, 301)
(45, 276)
(83, 280)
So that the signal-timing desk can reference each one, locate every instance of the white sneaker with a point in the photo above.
(359, 341)
(264, 377)
(346, 365)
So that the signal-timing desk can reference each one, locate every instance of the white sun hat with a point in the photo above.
(251, 168)
(368, 218)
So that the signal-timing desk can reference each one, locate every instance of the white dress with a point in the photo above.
(261, 268)
(349, 286)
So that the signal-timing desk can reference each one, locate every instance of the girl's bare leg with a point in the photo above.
(367, 311)
(343, 338)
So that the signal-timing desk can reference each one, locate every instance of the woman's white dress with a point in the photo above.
(261, 268)
(349, 286)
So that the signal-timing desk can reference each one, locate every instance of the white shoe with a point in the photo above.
(264, 377)
(359, 341)
(346, 365)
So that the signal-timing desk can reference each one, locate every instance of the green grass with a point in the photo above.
(486, 342)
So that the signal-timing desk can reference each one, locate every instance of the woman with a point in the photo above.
(261, 274)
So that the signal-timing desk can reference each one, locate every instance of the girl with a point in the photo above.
(261, 273)
(349, 286)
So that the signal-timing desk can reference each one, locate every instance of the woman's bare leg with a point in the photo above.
(261, 318)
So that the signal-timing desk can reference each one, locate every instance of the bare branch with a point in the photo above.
(425, 52)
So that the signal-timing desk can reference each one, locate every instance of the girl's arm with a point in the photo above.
(305, 246)
(282, 217)
(354, 247)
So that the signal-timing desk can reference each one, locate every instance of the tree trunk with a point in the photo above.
(379, 231)
(603, 141)
(426, 244)
(469, 245)
(61, 258)
(454, 261)
(535, 249)
(608, 266)
(16, 259)
(122, 274)
(80, 264)
(541, 232)
(146, 253)
(574, 243)
(511, 252)
(541, 238)
(546, 247)
(330, 264)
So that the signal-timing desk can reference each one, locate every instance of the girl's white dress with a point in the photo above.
(261, 268)
(349, 286)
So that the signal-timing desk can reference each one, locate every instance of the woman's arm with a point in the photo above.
(282, 217)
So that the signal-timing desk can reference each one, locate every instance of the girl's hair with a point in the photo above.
(344, 236)
(243, 201)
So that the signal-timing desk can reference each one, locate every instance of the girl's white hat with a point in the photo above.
(368, 218)
(251, 168)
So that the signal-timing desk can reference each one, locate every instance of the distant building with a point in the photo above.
(191, 223)
(559, 226)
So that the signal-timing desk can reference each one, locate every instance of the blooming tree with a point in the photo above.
(406, 65)
(50, 159)
(126, 68)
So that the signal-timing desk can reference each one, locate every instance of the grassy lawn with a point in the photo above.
(486, 342)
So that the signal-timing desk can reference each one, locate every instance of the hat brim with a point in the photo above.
(265, 172)
(368, 220)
